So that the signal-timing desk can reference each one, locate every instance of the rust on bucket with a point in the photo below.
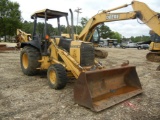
(101, 89)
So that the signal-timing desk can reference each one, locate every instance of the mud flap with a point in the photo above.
(101, 89)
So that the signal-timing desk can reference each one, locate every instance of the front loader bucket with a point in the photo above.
(101, 89)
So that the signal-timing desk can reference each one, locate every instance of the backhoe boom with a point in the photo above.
(140, 11)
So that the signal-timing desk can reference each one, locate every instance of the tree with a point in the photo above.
(40, 29)
(105, 31)
(63, 29)
(79, 29)
(27, 27)
(10, 18)
(117, 36)
(140, 38)
(132, 38)
(83, 21)
(50, 29)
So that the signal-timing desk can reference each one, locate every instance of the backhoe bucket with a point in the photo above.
(101, 89)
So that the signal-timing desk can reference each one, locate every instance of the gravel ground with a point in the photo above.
(29, 97)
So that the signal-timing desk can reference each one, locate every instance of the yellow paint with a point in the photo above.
(25, 60)
(52, 76)
(45, 63)
(75, 50)
(154, 46)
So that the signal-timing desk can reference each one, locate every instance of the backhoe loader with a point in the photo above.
(154, 54)
(22, 37)
(154, 47)
(96, 88)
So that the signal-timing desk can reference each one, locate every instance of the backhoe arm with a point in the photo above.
(141, 11)
(147, 16)
(101, 18)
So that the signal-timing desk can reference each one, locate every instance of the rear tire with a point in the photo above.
(29, 60)
(57, 76)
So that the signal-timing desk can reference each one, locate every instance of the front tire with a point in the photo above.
(29, 60)
(57, 76)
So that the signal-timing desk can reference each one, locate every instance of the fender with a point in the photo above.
(35, 43)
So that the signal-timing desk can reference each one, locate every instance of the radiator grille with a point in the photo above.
(87, 54)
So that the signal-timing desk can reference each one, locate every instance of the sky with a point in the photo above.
(126, 28)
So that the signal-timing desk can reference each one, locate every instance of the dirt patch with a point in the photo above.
(30, 97)
(8, 44)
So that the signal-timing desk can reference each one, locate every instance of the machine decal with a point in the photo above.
(112, 16)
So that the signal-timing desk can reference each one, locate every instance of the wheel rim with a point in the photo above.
(52, 76)
(25, 60)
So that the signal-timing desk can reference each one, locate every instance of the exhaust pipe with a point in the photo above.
(72, 30)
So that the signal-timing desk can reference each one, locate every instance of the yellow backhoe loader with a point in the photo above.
(154, 54)
(22, 37)
(96, 87)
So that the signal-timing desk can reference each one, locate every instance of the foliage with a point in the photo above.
(28, 28)
(105, 31)
(83, 22)
(140, 38)
(10, 18)
(117, 36)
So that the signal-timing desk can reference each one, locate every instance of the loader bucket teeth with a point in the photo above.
(101, 89)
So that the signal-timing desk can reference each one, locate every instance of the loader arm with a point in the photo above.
(98, 88)
(70, 63)
(141, 11)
